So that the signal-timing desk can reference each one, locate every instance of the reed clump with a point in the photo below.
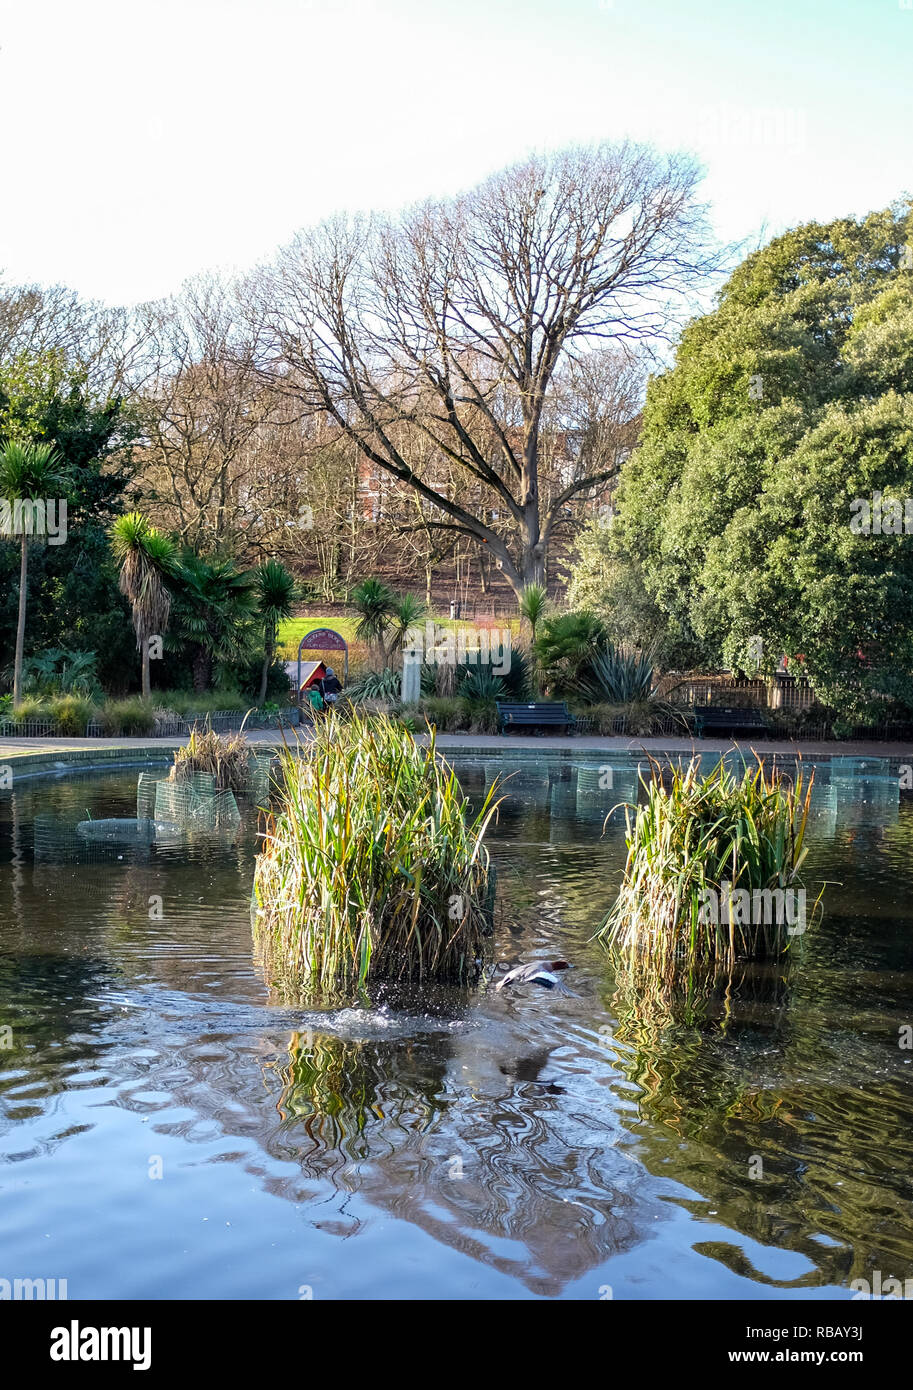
(225, 757)
(374, 866)
(713, 868)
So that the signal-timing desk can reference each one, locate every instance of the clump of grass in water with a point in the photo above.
(373, 867)
(704, 840)
(226, 757)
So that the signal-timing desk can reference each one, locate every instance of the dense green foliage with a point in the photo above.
(73, 599)
(213, 618)
(789, 401)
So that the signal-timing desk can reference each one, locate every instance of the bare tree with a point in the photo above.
(454, 322)
(107, 345)
(218, 446)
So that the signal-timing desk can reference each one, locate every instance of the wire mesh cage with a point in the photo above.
(194, 803)
(61, 842)
(263, 767)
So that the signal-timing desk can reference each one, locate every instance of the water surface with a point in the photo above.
(171, 1128)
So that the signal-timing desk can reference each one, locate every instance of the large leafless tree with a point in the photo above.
(463, 322)
(218, 447)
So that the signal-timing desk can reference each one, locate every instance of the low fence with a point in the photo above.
(780, 692)
(220, 721)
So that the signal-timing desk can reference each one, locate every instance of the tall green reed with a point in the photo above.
(373, 866)
(713, 868)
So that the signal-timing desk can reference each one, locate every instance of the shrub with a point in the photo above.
(480, 685)
(565, 649)
(30, 708)
(516, 683)
(376, 685)
(642, 718)
(59, 672)
(449, 714)
(483, 717)
(129, 718)
(374, 866)
(619, 675)
(71, 713)
(188, 702)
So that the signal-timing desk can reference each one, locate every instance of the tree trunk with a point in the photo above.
(202, 670)
(20, 626)
(146, 682)
(267, 662)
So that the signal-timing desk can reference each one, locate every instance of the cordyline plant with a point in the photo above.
(147, 561)
(713, 868)
(373, 866)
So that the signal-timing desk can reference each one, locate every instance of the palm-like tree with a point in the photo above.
(215, 603)
(28, 472)
(532, 607)
(148, 563)
(375, 602)
(533, 602)
(408, 611)
(276, 591)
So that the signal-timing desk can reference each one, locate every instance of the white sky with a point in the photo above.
(146, 141)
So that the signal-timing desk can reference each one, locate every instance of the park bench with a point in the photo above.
(731, 720)
(539, 713)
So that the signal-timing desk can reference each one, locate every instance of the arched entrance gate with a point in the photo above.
(322, 639)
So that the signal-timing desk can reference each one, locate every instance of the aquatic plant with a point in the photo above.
(713, 867)
(226, 757)
(373, 866)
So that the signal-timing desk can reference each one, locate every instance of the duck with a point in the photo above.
(539, 972)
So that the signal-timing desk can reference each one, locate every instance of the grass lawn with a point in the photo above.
(291, 632)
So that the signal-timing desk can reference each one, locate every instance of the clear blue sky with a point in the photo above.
(146, 141)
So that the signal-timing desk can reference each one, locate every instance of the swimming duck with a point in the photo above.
(539, 973)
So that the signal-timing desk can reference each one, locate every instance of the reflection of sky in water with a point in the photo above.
(433, 1143)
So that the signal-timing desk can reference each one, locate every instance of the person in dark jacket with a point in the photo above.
(329, 687)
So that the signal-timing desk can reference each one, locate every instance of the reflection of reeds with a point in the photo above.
(337, 1087)
(713, 867)
(695, 996)
(667, 1026)
(373, 866)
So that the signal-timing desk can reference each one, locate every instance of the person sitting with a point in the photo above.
(330, 687)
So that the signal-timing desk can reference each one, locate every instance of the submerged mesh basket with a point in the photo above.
(93, 842)
(145, 794)
(262, 765)
(194, 804)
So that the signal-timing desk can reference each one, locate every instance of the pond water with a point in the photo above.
(172, 1129)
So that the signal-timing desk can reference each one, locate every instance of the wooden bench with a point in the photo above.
(552, 714)
(731, 720)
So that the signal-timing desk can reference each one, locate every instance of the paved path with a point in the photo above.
(46, 751)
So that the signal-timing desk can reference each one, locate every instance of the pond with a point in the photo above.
(172, 1128)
